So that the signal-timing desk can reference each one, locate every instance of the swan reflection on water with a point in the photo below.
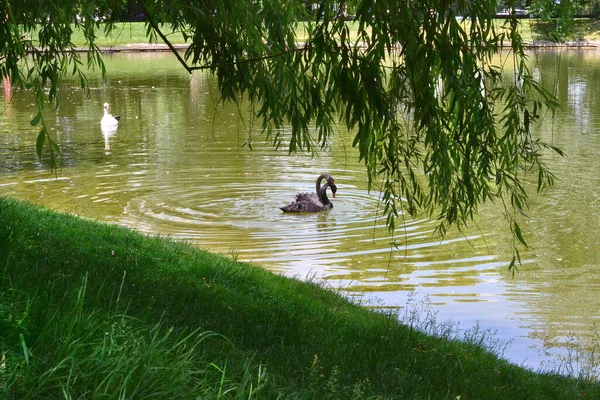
(108, 132)
(314, 202)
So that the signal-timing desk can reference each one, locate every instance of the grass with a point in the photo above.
(532, 30)
(90, 310)
(123, 34)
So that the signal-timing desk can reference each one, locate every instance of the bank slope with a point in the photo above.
(96, 310)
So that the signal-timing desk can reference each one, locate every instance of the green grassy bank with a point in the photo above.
(90, 310)
(532, 31)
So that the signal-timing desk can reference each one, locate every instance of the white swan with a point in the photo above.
(107, 119)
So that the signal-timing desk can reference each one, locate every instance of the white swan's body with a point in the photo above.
(108, 120)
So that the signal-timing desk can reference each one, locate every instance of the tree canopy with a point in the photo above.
(438, 125)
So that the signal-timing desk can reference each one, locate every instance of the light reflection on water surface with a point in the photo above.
(177, 166)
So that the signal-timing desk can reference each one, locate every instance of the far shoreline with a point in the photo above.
(159, 47)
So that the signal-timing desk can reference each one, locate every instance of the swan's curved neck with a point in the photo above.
(323, 194)
(319, 179)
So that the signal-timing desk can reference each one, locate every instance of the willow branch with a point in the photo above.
(164, 38)
(248, 60)
(189, 68)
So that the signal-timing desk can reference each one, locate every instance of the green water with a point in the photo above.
(178, 165)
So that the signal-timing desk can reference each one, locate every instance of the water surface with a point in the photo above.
(178, 165)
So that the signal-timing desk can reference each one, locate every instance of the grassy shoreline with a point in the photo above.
(131, 36)
(89, 309)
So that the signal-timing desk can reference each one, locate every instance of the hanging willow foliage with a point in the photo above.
(434, 122)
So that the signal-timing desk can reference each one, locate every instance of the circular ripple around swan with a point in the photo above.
(245, 218)
(255, 208)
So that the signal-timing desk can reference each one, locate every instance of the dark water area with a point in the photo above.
(178, 165)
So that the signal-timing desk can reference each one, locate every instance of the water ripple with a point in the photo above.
(245, 218)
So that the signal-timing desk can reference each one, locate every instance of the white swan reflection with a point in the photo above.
(108, 132)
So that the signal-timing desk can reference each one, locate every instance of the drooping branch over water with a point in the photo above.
(435, 120)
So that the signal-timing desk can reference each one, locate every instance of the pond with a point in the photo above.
(179, 165)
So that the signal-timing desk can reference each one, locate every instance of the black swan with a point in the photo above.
(314, 197)
(314, 202)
